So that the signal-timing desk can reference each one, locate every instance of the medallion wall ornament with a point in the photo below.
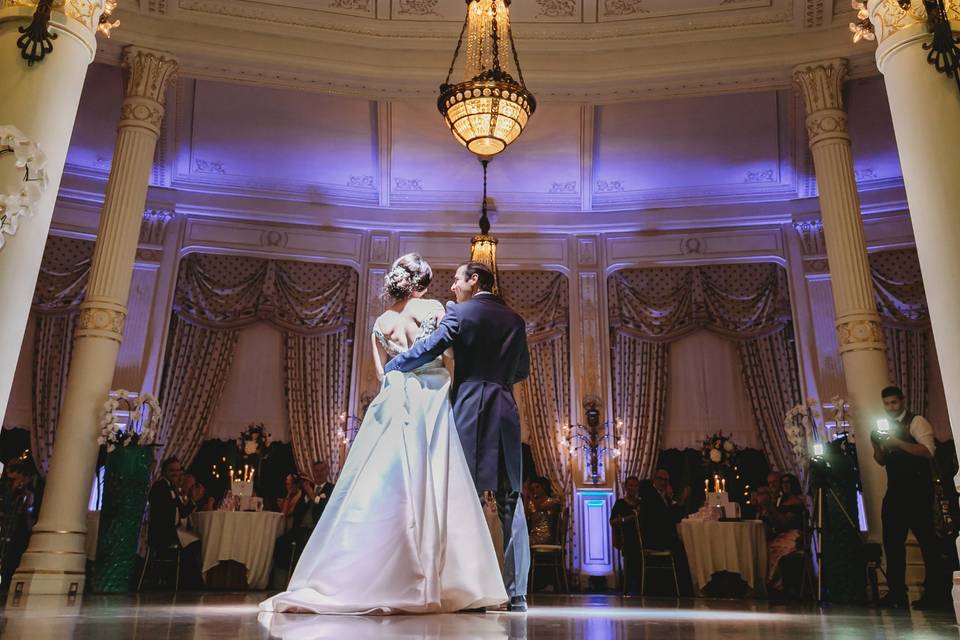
(23, 186)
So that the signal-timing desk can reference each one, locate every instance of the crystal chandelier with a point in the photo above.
(489, 109)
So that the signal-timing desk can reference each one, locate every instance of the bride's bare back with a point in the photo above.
(400, 324)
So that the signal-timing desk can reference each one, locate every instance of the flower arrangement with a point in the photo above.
(719, 450)
(143, 427)
(254, 439)
(22, 202)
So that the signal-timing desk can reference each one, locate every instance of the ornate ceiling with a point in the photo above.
(574, 50)
(232, 149)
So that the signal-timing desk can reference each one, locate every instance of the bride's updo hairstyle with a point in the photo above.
(408, 274)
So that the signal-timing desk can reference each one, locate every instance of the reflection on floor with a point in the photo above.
(234, 616)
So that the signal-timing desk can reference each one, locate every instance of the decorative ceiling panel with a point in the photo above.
(730, 142)
(608, 10)
(95, 129)
(282, 137)
(875, 157)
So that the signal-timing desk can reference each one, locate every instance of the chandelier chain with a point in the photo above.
(516, 60)
(495, 36)
(456, 52)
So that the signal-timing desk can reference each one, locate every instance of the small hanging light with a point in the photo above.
(483, 247)
(489, 109)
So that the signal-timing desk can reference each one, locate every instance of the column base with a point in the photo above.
(46, 582)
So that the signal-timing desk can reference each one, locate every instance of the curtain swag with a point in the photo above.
(223, 292)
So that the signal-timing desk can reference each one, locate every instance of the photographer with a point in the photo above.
(904, 445)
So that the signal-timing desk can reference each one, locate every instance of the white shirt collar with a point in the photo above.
(899, 418)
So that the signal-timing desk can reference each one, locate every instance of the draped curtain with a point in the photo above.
(313, 304)
(651, 307)
(61, 285)
(902, 304)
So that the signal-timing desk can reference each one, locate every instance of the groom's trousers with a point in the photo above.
(516, 542)
(489, 427)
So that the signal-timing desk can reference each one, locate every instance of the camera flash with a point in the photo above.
(818, 449)
(883, 425)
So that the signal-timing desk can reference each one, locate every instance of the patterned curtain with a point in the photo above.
(902, 304)
(61, 285)
(748, 303)
(195, 372)
(772, 382)
(313, 304)
(640, 378)
(317, 370)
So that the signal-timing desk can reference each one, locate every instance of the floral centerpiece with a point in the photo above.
(129, 467)
(254, 439)
(718, 452)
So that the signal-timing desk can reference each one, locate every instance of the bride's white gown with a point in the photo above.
(403, 530)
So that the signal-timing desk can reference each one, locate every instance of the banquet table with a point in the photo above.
(738, 547)
(247, 537)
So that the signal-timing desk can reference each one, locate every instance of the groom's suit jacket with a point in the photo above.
(489, 343)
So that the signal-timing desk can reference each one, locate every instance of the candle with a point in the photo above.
(706, 485)
(723, 484)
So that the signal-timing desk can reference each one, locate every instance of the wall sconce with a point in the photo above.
(596, 442)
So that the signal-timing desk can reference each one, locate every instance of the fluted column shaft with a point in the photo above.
(57, 544)
(41, 101)
(925, 106)
(859, 332)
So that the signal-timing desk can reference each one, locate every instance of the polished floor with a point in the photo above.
(234, 616)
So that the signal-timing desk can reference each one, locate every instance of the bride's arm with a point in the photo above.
(448, 354)
(379, 356)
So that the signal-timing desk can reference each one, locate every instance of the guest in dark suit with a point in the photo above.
(317, 491)
(167, 508)
(489, 342)
(660, 512)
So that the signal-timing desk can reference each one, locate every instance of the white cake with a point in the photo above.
(242, 488)
(719, 502)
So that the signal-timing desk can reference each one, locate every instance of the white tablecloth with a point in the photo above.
(243, 536)
(738, 547)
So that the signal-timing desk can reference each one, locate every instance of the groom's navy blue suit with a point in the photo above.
(489, 343)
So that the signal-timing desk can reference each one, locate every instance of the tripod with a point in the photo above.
(818, 507)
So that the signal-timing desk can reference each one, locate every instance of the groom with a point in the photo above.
(489, 343)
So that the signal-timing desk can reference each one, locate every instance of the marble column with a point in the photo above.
(41, 101)
(925, 106)
(55, 559)
(859, 333)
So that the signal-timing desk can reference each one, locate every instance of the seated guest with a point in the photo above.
(542, 511)
(625, 524)
(297, 510)
(773, 485)
(165, 522)
(317, 492)
(660, 513)
(16, 516)
(784, 520)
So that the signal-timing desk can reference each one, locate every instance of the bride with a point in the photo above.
(403, 530)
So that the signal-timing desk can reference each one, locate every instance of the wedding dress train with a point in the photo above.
(403, 530)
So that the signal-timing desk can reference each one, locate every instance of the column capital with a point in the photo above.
(149, 72)
(822, 84)
(889, 18)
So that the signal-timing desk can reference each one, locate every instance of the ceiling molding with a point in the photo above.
(398, 59)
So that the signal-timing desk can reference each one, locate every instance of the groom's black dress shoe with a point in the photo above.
(518, 603)
(476, 610)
